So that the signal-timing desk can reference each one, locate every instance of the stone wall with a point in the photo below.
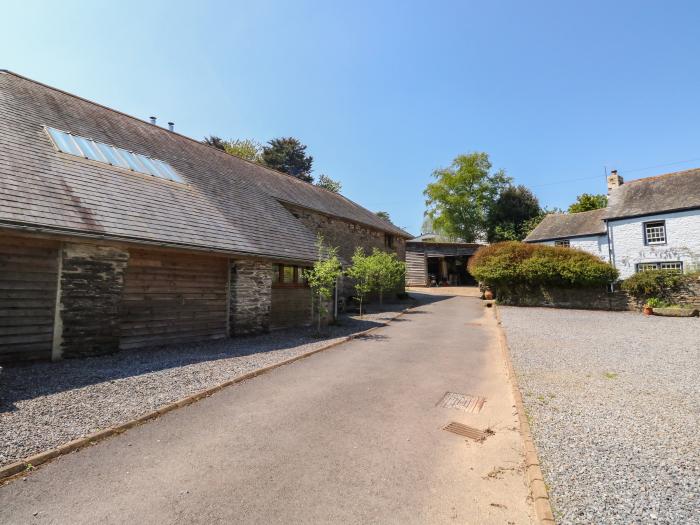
(598, 298)
(346, 235)
(592, 298)
(250, 297)
(91, 285)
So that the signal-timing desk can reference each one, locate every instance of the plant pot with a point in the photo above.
(648, 310)
(488, 295)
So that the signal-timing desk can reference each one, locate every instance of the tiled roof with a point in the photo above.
(227, 205)
(663, 193)
(560, 225)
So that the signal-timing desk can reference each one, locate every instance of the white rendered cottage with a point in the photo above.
(651, 223)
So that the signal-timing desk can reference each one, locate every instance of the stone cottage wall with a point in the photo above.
(91, 285)
(250, 297)
(346, 235)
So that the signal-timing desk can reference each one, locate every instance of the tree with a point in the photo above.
(247, 149)
(288, 154)
(462, 195)
(324, 181)
(322, 277)
(215, 141)
(588, 202)
(361, 272)
(383, 215)
(514, 207)
(387, 272)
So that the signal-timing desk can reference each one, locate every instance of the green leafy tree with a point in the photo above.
(362, 273)
(460, 198)
(322, 277)
(324, 181)
(288, 154)
(217, 142)
(588, 202)
(387, 272)
(384, 215)
(247, 149)
(509, 215)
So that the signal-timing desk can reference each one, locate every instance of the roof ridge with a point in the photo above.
(661, 176)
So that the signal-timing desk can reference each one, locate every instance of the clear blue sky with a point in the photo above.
(385, 92)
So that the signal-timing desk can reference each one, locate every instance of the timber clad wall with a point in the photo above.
(290, 307)
(173, 298)
(416, 268)
(28, 281)
(92, 281)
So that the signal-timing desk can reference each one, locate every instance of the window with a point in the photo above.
(655, 232)
(287, 276)
(101, 152)
(388, 240)
(564, 243)
(674, 266)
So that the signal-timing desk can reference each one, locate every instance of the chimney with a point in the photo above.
(153, 120)
(171, 126)
(614, 181)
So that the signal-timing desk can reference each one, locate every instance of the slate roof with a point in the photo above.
(228, 204)
(562, 226)
(663, 193)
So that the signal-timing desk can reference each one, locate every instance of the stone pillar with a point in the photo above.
(90, 291)
(250, 296)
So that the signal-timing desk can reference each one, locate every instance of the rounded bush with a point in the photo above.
(513, 265)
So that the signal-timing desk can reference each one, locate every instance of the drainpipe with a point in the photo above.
(611, 258)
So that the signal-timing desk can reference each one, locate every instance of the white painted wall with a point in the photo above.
(595, 244)
(682, 241)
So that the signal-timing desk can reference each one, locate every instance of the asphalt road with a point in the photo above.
(350, 435)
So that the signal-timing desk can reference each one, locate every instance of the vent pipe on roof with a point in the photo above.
(153, 120)
(171, 126)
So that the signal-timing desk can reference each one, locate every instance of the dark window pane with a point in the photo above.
(288, 275)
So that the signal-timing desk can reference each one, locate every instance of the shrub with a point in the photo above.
(653, 283)
(519, 266)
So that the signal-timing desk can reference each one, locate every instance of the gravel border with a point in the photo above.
(44, 405)
(614, 407)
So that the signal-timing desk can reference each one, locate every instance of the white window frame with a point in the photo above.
(657, 229)
(672, 266)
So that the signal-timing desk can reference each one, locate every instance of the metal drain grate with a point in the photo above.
(464, 402)
(466, 431)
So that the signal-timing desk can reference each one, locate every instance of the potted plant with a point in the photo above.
(652, 302)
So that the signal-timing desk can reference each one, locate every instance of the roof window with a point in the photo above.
(101, 152)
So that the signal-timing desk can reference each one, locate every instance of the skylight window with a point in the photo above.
(101, 152)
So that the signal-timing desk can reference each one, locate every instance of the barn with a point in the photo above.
(116, 233)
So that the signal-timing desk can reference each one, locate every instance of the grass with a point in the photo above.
(610, 375)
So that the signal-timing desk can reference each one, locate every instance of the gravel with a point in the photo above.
(43, 405)
(614, 403)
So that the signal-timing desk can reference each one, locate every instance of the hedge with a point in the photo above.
(654, 283)
(515, 265)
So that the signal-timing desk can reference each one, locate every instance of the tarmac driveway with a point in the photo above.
(350, 435)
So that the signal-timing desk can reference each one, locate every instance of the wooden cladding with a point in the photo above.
(290, 307)
(28, 282)
(416, 269)
(172, 298)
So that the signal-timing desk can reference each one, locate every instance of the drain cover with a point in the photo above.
(464, 402)
(466, 431)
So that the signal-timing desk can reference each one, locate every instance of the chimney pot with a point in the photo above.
(153, 120)
(614, 181)
(171, 126)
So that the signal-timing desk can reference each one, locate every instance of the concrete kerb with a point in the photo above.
(25, 466)
(535, 478)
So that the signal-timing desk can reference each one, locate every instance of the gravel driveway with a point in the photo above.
(614, 402)
(43, 405)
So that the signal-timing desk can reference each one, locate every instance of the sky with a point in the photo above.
(383, 93)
